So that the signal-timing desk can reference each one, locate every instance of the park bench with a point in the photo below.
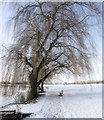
(13, 115)
(61, 93)
(8, 112)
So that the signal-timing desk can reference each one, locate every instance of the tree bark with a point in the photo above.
(42, 88)
(33, 85)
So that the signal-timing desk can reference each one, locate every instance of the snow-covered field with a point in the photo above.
(78, 101)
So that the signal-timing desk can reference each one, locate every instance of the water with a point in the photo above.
(19, 93)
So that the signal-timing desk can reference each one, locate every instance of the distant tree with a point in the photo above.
(49, 37)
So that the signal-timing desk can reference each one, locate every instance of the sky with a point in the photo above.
(96, 32)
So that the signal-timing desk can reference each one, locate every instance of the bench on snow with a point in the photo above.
(13, 115)
(8, 112)
(61, 93)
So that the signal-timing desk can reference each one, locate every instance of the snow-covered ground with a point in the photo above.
(78, 101)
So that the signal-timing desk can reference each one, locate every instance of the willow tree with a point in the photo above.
(49, 37)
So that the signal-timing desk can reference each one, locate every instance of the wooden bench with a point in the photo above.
(13, 115)
(8, 112)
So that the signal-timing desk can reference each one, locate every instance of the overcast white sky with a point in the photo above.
(95, 31)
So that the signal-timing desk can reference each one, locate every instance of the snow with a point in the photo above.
(78, 101)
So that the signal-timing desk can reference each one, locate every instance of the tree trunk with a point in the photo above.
(33, 85)
(42, 88)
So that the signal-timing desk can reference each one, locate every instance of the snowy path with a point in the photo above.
(80, 101)
(77, 102)
(52, 108)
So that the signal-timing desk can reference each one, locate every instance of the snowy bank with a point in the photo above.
(78, 101)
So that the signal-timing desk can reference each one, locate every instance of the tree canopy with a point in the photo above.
(49, 37)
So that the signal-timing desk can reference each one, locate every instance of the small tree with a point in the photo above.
(49, 37)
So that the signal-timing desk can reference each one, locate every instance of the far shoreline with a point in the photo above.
(76, 83)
